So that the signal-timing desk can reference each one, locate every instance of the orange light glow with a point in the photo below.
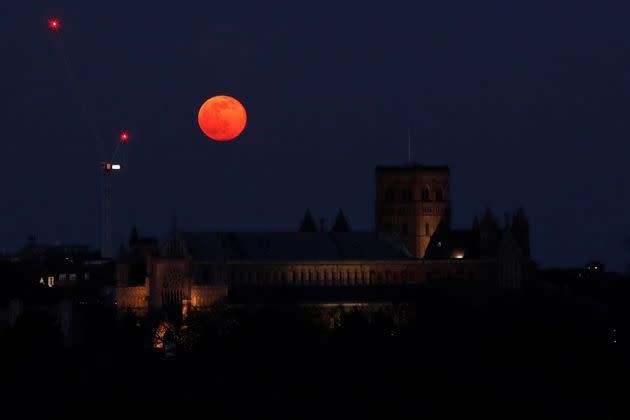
(160, 333)
(222, 118)
(458, 254)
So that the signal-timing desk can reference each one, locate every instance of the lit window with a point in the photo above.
(51, 281)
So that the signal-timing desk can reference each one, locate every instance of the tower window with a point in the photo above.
(390, 195)
(406, 195)
(426, 194)
(427, 230)
(439, 195)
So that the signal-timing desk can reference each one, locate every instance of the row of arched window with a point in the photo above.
(318, 278)
(406, 194)
(172, 297)
(403, 229)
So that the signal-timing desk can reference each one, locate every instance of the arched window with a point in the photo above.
(390, 195)
(426, 193)
(439, 195)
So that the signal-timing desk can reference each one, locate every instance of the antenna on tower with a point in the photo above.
(408, 143)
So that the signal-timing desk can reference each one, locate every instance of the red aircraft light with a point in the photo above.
(124, 137)
(53, 24)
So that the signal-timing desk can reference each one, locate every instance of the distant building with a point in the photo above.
(593, 274)
(53, 281)
(413, 243)
(58, 265)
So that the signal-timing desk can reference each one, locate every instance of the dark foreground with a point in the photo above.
(442, 356)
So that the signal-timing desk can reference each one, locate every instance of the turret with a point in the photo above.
(488, 234)
(520, 229)
(341, 224)
(308, 223)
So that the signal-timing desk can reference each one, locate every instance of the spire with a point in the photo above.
(475, 224)
(488, 219)
(174, 222)
(488, 234)
(122, 252)
(409, 142)
(341, 224)
(520, 218)
(520, 229)
(308, 223)
(133, 237)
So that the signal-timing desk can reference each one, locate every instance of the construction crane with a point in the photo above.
(108, 169)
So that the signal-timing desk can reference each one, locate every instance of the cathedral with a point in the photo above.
(413, 243)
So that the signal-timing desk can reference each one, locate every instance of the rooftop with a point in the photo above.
(292, 246)
(413, 166)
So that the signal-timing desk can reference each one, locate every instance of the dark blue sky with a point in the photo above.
(527, 101)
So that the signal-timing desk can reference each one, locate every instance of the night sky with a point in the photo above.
(526, 101)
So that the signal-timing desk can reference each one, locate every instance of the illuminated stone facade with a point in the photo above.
(195, 282)
(413, 201)
(414, 243)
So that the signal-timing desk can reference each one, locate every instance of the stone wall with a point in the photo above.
(203, 297)
(132, 298)
(377, 273)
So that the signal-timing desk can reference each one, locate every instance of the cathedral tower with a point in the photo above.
(412, 201)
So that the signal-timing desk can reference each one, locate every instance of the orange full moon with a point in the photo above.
(222, 118)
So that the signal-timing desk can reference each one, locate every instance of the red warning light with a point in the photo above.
(53, 24)
(124, 137)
